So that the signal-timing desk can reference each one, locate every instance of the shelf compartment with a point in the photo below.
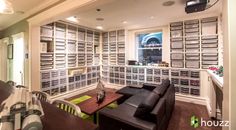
(165, 72)
(62, 88)
(177, 45)
(195, 74)
(175, 73)
(46, 60)
(177, 63)
(176, 34)
(45, 75)
(81, 59)
(195, 83)
(81, 34)
(89, 59)
(157, 79)
(54, 74)
(195, 92)
(174, 24)
(71, 32)
(60, 31)
(60, 45)
(209, 26)
(121, 59)
(193, 64)
(60, 61)
(157, 71)
(177, 56)
(175, 81)
(184, 90)
(46, 30)
(81, 47)
(184, 82)
(89, 36)
(184, 73)
(72, 60)
(45, 84)
(71, 46)
(105, 59)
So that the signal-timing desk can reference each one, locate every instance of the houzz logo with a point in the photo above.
(194, 122)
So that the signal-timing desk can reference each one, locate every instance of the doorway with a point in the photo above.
(18, 58)
(3, 59)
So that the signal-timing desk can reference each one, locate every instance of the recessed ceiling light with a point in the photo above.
(168, 3)
(99, 27)
(152, 17)
(73, 19)
(100, 19)
(124, 22)
(20, 12)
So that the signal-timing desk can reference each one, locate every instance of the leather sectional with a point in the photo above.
(146, 108)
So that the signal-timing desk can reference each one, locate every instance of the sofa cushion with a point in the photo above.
(128, 90)
(146, 106)
(138, 98)
(161, 89)
(124, 113)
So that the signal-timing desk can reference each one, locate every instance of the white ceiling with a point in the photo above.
(137, 13)
(29, 7)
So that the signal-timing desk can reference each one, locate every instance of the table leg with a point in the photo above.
(95, 118)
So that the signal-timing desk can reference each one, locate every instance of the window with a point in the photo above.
(149, 47)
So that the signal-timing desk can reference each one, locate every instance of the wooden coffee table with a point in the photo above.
(91, 107)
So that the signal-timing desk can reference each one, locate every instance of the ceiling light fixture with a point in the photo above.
(100, 19)
(73, 19)
(152, 17)
(99, 27)
(6, 7)
(124, 22)
(168, 3)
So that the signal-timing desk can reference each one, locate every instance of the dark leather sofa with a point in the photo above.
(146, 108)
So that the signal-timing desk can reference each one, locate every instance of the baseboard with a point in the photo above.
(73, 93)
(209, 109)
(195, 100)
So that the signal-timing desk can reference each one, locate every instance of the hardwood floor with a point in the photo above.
(182, 114)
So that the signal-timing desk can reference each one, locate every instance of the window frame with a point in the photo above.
(137, 48)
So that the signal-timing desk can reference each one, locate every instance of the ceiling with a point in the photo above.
(23, 9)
(136, 13)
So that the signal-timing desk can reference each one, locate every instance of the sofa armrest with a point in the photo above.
(149, 86)
(159, 111)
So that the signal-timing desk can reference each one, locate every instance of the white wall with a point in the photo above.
(229, 25)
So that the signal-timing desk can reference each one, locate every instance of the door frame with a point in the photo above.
(6, 76)
(16, 36)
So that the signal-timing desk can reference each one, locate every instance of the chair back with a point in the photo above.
(40, 95)
(20, 86)
(11, 83)
(67, 106)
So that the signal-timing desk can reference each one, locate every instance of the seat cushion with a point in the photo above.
(129, 91)
(161, 89)
(124, 113)
(138, 98)
(146, 106)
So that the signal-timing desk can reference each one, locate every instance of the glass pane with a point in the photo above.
(149, 40)
(150, 55)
